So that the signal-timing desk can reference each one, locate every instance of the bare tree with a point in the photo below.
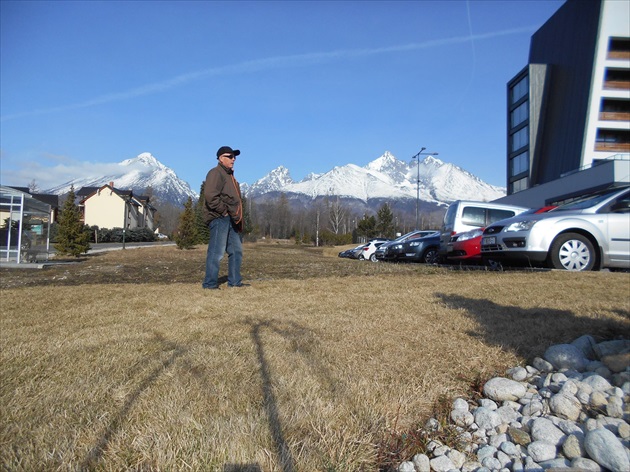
(33, 187)
(336, 215)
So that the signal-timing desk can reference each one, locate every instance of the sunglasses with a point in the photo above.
(229, 156)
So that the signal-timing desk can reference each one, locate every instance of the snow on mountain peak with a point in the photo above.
(275, 180)
(385, 178)
(146, 160)
(137, 174)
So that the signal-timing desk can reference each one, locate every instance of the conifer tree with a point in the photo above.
(72, 237)
(186, 237)
(203, 231)
(385, 221)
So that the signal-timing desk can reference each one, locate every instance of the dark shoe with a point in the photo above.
(211, 288)
(239, 285)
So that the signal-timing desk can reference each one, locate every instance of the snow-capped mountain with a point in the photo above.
(137, 174)
(385, 178)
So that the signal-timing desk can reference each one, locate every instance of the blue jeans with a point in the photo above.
(223, 238)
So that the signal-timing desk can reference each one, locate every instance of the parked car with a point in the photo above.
(589, 233)
(424, 249)
(463, 215)
(466, 246)
(366, 252)
(350, 253)
(393, 250)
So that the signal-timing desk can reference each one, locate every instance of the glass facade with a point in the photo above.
(519, 114)
(519, 90)
(519, 164)
(519, 139)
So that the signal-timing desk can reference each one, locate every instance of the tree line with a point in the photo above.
(328, 221)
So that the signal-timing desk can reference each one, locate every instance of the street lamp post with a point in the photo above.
(417, 156)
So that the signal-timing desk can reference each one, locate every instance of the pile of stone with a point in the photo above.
(568, 410)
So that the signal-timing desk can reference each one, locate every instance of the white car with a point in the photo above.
(366, 252)
(590, 233)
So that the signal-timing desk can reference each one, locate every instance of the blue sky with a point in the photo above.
(305, 84)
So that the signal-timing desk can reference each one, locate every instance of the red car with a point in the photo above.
(466, 247)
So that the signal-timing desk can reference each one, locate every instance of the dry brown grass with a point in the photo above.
(123, 362)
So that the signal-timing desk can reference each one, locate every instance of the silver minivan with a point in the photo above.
(463, 215)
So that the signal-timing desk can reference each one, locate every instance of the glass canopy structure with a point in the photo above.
(24, 226)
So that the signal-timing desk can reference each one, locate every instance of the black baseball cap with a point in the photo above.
(227, 150)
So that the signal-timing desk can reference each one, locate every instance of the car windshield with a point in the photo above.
(586, 202)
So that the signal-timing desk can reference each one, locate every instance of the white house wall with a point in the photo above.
(106, 209)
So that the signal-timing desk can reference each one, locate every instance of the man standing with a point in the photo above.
(223, 212)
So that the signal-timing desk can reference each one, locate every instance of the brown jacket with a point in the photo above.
(223, 196)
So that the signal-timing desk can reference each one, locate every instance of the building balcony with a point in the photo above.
(612, 147)
(614, 116)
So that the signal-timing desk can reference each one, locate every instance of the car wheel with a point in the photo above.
(373, 258)
(572, 251)
(431, 256)
(361, 258)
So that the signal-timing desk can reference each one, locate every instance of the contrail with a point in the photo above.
(278, 62)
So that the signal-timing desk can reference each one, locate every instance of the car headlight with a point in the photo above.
(469, 235)
(521, 226)
(398, 246)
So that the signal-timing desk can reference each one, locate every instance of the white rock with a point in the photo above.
(518, 373)
(581, 463)
(487, 403)
(406, 466)
(498, 439)
(503, 459)
(565, 406)
(597, 382)
(542, 365)
(486, 419)
(614, 407)
(460, 404)
(555, 464)
(491, 463)
(462, 417)
(500, 389)
(534, 408)
(531, 466)
(541, 451)
(470, 466)
(605, 448)
(510, 449)
(566, 356)
(485, 452)
(508, 414)
(441, 464)
(422, 463)
(544, 430)
(457, 458)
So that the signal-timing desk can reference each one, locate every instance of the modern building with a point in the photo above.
(568, 110)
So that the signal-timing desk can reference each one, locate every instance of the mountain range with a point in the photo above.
(386, 179)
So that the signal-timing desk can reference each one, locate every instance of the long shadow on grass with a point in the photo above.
(96, 453)
(270, 402)
(529, 331)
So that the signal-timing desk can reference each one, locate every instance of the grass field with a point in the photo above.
(123, 362)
